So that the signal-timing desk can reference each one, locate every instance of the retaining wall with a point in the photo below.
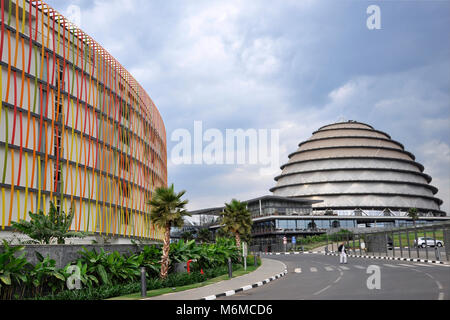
(64, 254)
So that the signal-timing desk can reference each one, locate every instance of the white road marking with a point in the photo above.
(423, 265)
(405, 265)
(391, 266)
(298, 270)
(339, 278)
(329, 269)
(320, 291)
(441, 296)
(312, 269)
(344, 268)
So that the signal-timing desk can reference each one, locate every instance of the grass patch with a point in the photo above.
(309, 247)
(404, 239)
(157, 292)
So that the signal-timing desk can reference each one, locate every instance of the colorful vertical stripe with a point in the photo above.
(75, 127)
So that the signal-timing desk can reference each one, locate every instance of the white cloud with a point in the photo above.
(437, 164)
(342, 94)
(295, 66)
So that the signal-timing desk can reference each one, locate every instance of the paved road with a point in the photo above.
(320, 277)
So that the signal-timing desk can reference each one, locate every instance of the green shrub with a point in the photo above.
(110, 291)
(151, 260)
(104, 274)
(48, 228)
(45, 277)
(13, 272)
(112, 268)
(251, 260)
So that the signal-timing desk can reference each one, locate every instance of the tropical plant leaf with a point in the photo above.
(102, 273)
(6, 278)
(39, 256)
(59, 276)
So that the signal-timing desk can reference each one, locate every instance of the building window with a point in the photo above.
(301, 224)
(323, 224)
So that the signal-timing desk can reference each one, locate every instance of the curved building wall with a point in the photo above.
(353, 132)
(350, 163)
(352, 166)
(349, 142)
(353, 175)
(75, 127)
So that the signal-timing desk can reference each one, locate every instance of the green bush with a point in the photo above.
(251, 260)
(341, 236)
(114, 290)
(48, 228)
(13, 272)
(45, 277)
(103, 273)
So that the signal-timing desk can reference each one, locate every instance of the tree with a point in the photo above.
(413, 214)
(167, 210)
(204, 235)
(187, 235)
(47, 228)
(237, 219)
(312, 225)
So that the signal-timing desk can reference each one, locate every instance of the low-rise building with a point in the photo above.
(275, 218)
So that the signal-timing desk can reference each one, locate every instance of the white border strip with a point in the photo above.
(245, 288)
(359, 256)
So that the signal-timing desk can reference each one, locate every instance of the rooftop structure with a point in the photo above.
(357, 170)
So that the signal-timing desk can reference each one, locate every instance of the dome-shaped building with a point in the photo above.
(357, 170)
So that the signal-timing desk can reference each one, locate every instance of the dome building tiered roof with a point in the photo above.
(354, 168)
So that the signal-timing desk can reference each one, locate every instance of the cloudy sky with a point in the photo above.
(291, 66)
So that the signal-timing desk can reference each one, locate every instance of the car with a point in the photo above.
(423, 242)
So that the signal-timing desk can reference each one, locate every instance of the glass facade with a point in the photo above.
(325, 224)
(279, 207)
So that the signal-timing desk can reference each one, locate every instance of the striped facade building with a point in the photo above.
(75, 128)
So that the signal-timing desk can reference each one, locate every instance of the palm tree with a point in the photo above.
(237, 219)
(167, 210)
(187, 235)
(413, 214)
(204, 235)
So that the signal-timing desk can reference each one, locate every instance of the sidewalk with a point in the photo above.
(268, 271)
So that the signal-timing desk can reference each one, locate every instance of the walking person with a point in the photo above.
(343, 254)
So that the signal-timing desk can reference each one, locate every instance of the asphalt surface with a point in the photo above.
(320, 277)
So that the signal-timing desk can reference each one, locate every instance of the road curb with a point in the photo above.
(391, 258)
(245, 288)
(360, 256)
(294, 252)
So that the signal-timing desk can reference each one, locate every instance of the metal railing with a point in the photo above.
(430, 242)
